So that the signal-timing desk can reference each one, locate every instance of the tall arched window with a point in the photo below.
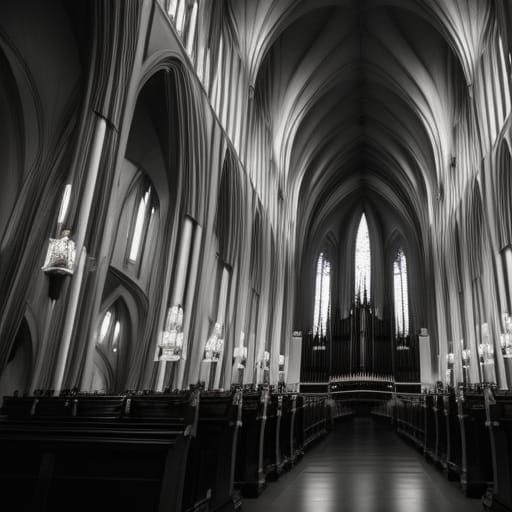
(143, 223)
(401, 295)
(322, 296)
(112, 349)
(362, 282)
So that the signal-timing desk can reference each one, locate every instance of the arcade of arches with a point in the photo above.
(296, 195)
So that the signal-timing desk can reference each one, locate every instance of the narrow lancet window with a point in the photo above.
(362, 262)
(401, 297)
(140, 222)
(322, 296)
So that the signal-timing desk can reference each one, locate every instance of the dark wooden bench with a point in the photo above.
(314, 415)
(441, 451)
(451, 430)
(96, 452)
(298, 429)
(453, 438)
(271, 449)
(287, 433)
(409, 416)
(430, 448)
(249, 473)
(210, 478)
(499, 422)
(476, 472)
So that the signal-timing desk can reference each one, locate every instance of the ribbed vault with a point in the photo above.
(361, 98)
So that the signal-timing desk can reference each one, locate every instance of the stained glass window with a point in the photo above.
(401, 295)
(362, 261)
(322, 296)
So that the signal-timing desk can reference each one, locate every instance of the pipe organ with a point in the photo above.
(360, 344)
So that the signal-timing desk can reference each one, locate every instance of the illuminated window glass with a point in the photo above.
(401, 295)
(105, 325)
(322, 296)
(64, 205)
(180, 16)
(192, 29)
(109, 331)
(171, 10)
(362, 261)
(144, 214)
(505, 84)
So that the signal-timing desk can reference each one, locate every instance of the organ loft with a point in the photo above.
(255, 255)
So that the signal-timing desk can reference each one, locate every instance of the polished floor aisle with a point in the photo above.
(362, 466)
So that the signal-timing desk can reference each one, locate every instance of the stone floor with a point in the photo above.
(362, 466)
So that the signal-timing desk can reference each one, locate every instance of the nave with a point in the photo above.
(222, 221)
(363, 466)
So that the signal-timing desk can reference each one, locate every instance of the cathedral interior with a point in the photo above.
(255, 255)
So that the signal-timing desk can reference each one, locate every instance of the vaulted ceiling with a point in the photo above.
(361, 97)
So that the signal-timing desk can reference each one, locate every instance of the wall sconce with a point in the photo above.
(241, 352)
(171, 341)
(264, 362)
(59, 262)
(450, 361)
(486, 352)
(214, 345)
(506, 338)
(61, 253)
(506, 344)
(466, 357)
(60, 257)
(485, 349)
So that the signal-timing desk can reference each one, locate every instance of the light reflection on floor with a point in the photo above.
(362, 467)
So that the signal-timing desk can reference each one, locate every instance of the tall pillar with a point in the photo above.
(189, 303)
(82, 222)
(180, 281)
(426, 377)
(221, 316)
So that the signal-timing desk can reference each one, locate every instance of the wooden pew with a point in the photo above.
(286, 431)
(272, 464)
(96, 452)
(441, 452)
(476, 471)
(454, 435)
(409, 418)
(430, 448)
(454, 442)
(499, 422)
(298, 429)
(211, 467)
(314, 419)
(249, 472)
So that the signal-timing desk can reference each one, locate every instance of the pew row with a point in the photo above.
(149, 452)
(276, 429)
(465, 433)
(97, 453)
(188, 451)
